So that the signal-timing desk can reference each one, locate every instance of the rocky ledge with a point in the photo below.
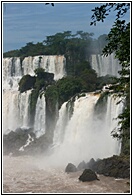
(24, 142)
(115, 166)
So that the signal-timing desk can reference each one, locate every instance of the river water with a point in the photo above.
(30, 175)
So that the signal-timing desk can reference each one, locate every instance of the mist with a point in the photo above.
(86, 135)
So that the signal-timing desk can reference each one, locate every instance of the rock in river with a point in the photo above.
(88, 175)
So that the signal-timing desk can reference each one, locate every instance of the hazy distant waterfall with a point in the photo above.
(40, 116)
(105, 65)
(86, 135)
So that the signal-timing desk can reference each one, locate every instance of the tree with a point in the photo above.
(100, 13)
(119, 43)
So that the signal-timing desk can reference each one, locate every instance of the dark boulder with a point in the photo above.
(90, 164)
(88, 175)
(82, 165)
(70, 168)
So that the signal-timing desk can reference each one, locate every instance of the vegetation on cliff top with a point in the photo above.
(75, 47)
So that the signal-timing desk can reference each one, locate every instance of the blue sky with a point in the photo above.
(32, 22)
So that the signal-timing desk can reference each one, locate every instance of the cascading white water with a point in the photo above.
(105, 65)
(15, 110)
(15, 104)
(86, 135)
(13, 70)
(113, 110)
(10, 110)
(12, 73)
(40, 117)
(60, 126)
(11, 67)
(51, 63)
(24, 103)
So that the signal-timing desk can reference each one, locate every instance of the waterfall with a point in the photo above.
(51, 63)
(12, 73)
(24, 103)
(80, 132)
(13, 69)
(15, 110)
(113, 110)
(10, 110)
(85, 135)
(105, 65)
(16, 104)
(61, 123)
(40, 116)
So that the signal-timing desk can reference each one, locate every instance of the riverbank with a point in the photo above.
(27, 174)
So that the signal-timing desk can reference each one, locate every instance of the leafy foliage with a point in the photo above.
(100, 13)
(119, 42)
(12, 53)
(68, 87)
